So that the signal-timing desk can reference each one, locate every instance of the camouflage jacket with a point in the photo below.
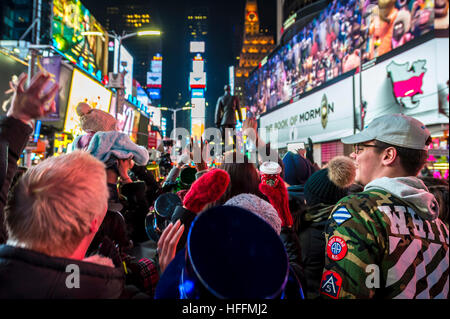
(378, 247)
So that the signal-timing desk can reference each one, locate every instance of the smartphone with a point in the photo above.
(293, 147)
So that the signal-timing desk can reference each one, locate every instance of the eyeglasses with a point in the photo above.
(358, 148)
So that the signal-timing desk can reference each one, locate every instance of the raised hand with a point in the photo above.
(199, 164)
(32, 103)
(167, 244)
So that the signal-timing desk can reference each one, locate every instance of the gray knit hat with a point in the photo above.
(259, 207)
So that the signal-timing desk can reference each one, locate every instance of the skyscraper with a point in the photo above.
(197, 31)
(256, 45)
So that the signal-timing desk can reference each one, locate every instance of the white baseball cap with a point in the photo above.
(395, 129)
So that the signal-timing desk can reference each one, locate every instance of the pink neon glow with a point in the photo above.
(409, 87)
(431, 158)
(437, 174)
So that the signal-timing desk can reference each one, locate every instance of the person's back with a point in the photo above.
(406, 253)
(321, 191)
(388, 241)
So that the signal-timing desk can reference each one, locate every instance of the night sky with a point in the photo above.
(226, 20)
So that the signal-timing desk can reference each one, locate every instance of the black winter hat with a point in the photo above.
(329, 185)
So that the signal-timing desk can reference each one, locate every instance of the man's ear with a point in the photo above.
(94, 225)
(389, 156)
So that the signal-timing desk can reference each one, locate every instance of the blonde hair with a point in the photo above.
(54, 203)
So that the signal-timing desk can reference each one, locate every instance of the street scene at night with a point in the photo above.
(243, 150)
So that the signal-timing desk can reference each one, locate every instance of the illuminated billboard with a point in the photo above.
(126, 57)
(197, 81)
(197, 93)
(141, 96)
(154, 79)
(198, 107)
(334, 43)
(155, 94)
(84, 89)
(155, 116)
(197, 46)
(71, 21)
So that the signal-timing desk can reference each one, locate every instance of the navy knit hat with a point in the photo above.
(296, 169)
(330, 184)
(230, 253)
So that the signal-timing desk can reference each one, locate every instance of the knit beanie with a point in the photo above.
(94, 120)
(296, 169)
(259, 207)
(329, 185)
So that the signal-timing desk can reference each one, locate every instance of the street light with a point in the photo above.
(174, 111)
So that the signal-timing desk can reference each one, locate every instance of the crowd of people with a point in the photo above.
(334, 43)
(363, 226)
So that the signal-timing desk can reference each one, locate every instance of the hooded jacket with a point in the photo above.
(387, 242)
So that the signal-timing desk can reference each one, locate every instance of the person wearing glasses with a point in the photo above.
(387, 241)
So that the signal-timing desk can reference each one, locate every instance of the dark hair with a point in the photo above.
(439, 188)
(244, 178)
(114, 228)
(411, 160)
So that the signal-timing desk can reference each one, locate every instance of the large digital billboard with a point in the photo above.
(84, 89)
(334, 43)
(197, 46)
(71, 21)
(125, 58)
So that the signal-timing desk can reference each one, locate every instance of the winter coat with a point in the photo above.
(312, 240)
(226, 107)
(13, 138)
(31, 275)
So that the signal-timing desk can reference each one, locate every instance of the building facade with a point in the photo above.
(256, 45)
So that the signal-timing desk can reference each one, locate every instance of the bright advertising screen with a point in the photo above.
(71, 20)
(84, 89)
(333, 43)
(197, 46)
(127, 58)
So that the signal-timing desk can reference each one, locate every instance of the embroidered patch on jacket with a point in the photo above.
(331, 284)
(341, 215)
(336, 248)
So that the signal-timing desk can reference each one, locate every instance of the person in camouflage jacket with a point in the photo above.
(387, 242)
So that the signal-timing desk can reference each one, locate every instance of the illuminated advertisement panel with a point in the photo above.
(154, 79)
(198, 107)
(128, 121)
(197, 46)
(324, 115)
(407, 83)
(125, 56)
(141, 96)
(156, 66)
(84, 89)
(155, 116)
(71, 21)
(155, 94)
(198, 67)
(333, 44)
(231, 79)
(197, 93)
(197, 81)
(197, 127)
